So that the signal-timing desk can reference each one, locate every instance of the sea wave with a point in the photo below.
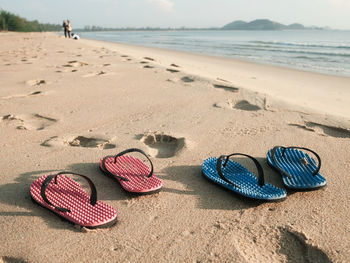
(299, 44)
(320, 51)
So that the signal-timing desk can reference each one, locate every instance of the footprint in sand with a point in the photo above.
(323, 129)
(36, 82)
(284, 245)
(9, 117)
(172, 70)
(225, 105)
(246, 106)
(34, 93)
(7, 259)
(148, 58)
(144, 62)
(148, 66)
(74, 63)
(240, 105)
(52, 141)
(30, 122)
(161, 145)
(100, 73)
(187, 79)
(174, 65)
(298, 248)
(226, 87)
(91, 141)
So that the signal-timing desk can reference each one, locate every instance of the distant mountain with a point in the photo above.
(296, 26)
(235, 24)
(261, 24)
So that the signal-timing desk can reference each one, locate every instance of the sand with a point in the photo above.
(66, 104)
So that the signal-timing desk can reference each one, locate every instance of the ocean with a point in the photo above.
(323, 51)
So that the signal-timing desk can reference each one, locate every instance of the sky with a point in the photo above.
(178, 13)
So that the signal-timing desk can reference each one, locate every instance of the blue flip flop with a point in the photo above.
(235, 177)
(299, 171)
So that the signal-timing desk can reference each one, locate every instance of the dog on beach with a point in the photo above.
(75, 36)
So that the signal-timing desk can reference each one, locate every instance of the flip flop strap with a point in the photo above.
(108, 172)
(48, 179)
(273, 156)
(261, 179)
(122, 153)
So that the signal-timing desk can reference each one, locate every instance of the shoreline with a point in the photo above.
(135, 46)
(290, 85)
(215, 52)
(65, 105)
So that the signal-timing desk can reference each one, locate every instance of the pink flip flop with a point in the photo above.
(132, 173)
(69, 200)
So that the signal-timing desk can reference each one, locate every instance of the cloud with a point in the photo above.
(165, 5)
(340, 3)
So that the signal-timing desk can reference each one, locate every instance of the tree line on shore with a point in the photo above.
(12, 22)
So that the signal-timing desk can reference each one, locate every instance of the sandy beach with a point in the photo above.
(66, 104)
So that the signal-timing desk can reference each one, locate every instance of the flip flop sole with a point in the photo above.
(301, 172)
(135, 170)
(106, 225)
(69, 194)
(247, 182)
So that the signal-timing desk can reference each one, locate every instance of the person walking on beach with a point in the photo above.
(69, 28)
(64, 25)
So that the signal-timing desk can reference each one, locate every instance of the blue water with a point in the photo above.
(324, 51)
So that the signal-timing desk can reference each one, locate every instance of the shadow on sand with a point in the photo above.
(212, 196)
(209, 195)
(17, 194)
